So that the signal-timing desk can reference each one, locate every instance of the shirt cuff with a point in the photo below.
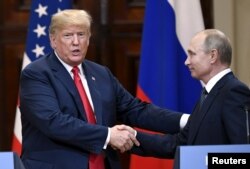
(107, 139)
(183, 121)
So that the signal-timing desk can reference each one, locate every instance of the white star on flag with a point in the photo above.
(41, 10)
(38, 50)
(40, 30)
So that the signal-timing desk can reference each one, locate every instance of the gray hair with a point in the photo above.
(216, 39)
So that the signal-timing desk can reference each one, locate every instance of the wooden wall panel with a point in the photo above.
(126, 27)
(13, 29)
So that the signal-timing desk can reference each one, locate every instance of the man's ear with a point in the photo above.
(214, 55)
(52, 41)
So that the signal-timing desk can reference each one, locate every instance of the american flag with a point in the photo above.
(37, 45)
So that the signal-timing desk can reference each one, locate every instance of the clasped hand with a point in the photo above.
(123, 138)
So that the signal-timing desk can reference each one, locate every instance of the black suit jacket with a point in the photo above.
(54, 128)
(221, 120)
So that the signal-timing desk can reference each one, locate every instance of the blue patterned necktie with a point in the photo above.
(203, 96)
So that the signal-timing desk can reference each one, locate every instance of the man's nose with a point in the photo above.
(75, 39)
(187, 62)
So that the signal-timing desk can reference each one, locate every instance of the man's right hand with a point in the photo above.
(122, 137)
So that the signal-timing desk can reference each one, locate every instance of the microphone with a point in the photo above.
(247, 124)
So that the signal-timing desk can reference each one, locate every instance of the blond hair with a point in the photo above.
(70, 17)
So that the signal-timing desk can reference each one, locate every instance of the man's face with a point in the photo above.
(198, 61)
(71, 44)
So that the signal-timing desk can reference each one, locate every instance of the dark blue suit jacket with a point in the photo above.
(221, 120)
(55, 132)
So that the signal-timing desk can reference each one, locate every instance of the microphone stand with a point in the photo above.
(247, 123)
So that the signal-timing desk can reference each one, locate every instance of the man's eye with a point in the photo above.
(67, 36)
(192, 53)
(82, 34)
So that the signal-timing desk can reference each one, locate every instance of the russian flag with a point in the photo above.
(163, 78)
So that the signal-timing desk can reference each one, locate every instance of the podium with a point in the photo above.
(10, 160)
(196, 157)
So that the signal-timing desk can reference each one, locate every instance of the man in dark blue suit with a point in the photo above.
(55, 130)
(220, 117)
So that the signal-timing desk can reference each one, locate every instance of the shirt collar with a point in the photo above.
(68, 67)
(215, 79)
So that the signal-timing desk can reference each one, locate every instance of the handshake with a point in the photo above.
(123, 138)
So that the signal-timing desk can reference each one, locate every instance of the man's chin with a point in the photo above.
(193, 75)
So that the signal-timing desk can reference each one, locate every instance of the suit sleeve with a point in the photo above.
(161, 145)
(155, 145)
(134, 112)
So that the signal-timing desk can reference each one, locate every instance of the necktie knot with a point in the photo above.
(75, 70)
(204, 91)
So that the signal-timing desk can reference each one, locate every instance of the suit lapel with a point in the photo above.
(95, 94)
(200, 113)
(64, 77)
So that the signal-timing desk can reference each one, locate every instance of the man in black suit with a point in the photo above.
(220, 117)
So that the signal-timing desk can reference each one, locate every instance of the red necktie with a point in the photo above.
(95, 161)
